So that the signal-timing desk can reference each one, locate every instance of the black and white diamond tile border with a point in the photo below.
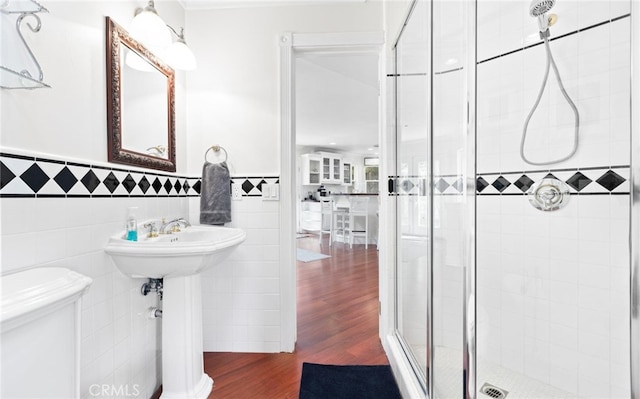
(32, 177)
(588, 181)
(252, 186)
(417, 185)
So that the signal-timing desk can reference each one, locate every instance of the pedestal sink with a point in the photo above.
(178, 259)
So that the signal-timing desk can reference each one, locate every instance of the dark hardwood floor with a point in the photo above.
(337, 324)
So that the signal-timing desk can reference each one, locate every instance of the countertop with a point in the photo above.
(355, 194)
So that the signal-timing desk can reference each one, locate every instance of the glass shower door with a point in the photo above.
(452, 203)
(433, 202)
(412, 189)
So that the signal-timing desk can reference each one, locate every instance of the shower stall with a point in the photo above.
(517, 187)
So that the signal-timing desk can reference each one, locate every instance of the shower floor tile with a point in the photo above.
(448, 379)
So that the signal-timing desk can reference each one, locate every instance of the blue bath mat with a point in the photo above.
(308, 256)
(321, 381)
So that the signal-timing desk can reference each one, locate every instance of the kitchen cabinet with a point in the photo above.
(347, 174)
(371, 175)
(310, 169)
(311, 216)
(331, 168)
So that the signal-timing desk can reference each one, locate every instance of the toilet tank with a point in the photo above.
(40, 333)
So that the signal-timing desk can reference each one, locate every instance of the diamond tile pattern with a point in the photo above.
(610, 180)
(481, 184)
(35, 177)
(65, 179)
(197, 186)
(501, 184)
(442, 185)
(45, 177)
(144, 184)
(168, 186)
(37, 173)
(156, 185)
(6, 175)
(523, 183)
(585, 181)
(458, 185)
(247, 186)
(579, 181)
(407, 185)
(111, 182)
(90, 181)
(128, 183)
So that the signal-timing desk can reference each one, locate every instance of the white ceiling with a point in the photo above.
(213, 4)
(336, 98)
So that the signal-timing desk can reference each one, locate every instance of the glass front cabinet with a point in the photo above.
(331, 168)
(310, 169)
(347, 174)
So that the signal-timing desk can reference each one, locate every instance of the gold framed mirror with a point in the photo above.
(140, 104)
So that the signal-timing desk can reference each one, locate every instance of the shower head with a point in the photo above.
(538, 9)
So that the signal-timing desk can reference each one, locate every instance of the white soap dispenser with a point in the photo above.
(132, 224)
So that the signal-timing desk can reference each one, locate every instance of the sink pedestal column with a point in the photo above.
(183, 374)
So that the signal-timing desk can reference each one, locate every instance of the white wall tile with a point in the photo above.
(64, 233)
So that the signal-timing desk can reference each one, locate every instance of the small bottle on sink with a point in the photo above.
(132, 224)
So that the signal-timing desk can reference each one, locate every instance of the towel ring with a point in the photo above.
(216, 148)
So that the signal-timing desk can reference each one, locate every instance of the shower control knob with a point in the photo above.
(549, 194)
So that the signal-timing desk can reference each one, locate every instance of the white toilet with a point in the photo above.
(40, 333)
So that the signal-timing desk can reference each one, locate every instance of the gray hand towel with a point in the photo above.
(215, 197)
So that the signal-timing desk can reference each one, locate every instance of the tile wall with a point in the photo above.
(241, 297)
(61, 212)
(41, 226)
(552, 287)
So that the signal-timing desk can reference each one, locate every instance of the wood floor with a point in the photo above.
(337, 324)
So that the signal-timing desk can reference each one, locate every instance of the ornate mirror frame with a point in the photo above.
(115, 36)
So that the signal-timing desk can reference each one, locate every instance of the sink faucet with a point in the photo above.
(153, 229)
(175, 226)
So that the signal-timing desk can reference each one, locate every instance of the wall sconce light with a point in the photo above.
(178, 54)
(155, 34)
(149, 28)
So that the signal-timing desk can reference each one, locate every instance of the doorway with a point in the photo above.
(329, 55)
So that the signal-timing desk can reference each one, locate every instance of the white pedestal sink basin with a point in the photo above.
(178, 259)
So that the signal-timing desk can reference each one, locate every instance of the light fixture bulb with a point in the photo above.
(149, 29)
(133, 60)
(179, 56)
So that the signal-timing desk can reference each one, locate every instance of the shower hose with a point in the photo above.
(550, 61)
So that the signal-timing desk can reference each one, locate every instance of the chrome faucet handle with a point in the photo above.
(153, 229)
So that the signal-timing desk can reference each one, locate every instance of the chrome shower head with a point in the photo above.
(540, 7)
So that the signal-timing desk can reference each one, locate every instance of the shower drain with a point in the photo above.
(493, 391)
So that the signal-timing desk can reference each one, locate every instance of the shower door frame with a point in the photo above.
(469, 293)
(634, 239)
(469, 262)
(419, 384)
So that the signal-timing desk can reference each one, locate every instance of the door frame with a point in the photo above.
(290, 43)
